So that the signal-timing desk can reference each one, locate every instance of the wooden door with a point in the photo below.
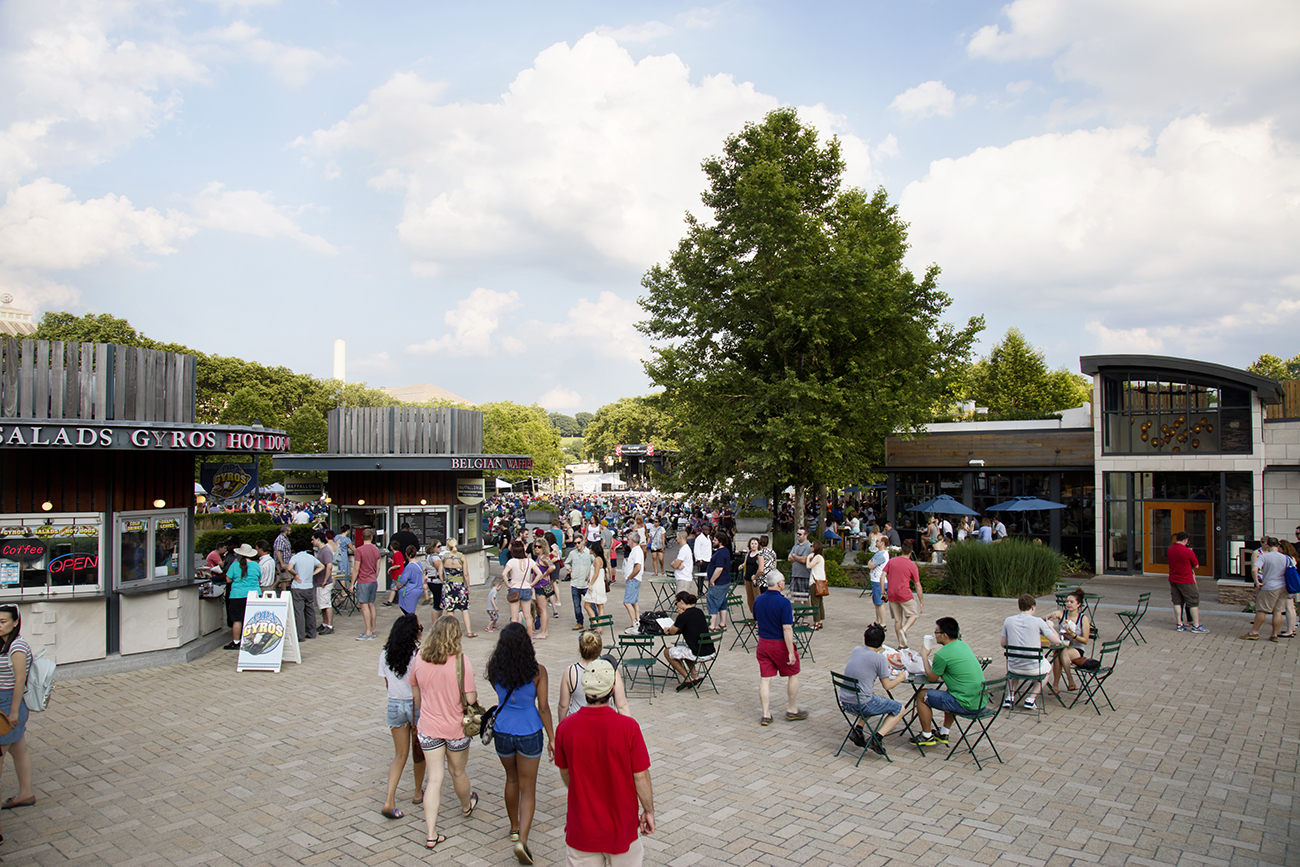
(1161, 520)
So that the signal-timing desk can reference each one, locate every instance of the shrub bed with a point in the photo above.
(299, 536)
(1005, 569)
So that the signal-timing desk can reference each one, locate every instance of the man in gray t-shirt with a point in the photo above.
(867, 665)
(798, 558)
(1269, 572)
(1026, 629)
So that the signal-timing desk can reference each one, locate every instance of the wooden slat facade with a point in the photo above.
(407, 488)
(1021, 448)
(43, 379)
(83, 481)
(405, 430)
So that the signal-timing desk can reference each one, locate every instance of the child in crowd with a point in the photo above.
(492, 611)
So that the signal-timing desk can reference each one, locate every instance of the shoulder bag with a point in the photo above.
(487, 723)
(1292, 577)
(472, 712)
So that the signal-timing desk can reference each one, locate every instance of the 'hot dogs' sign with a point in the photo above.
(137, 436)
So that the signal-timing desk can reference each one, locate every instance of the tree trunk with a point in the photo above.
(821, 511)
(799, 519)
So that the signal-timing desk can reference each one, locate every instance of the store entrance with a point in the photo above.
(360, 518)
(1161, 520)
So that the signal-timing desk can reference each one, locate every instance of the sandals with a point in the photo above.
(1249, 636)
(765, 721)
(431, 843)
(514, 836)
(12, 803)
(473, 802)
(522, 855)
(419, 797)
(472, 635)
(392, 814)
(1286, 635)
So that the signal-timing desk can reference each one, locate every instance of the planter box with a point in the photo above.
(538, 516)
(753, 526)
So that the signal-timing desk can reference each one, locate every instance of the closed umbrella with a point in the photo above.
(943, 505)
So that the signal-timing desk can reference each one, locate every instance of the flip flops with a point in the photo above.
(473, 802)
(419, 797)
(392, 814)
(13, 803)
(431, 843)
(1249, 637)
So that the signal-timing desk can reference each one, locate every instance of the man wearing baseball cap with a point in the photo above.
(603, 760)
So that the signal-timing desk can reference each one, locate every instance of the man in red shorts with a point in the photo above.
(776, 651)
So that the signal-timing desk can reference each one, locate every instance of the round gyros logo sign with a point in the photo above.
(262, 633)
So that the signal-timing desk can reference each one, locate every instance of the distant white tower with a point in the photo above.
(338, 361)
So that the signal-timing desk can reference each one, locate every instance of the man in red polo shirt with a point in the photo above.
(603, 760)
(1182, 583)
(901, 575)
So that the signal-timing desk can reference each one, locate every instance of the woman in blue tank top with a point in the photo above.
(523, 713)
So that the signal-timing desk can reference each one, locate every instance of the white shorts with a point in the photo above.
(681, 651)
(323, 596)
(1028, 667)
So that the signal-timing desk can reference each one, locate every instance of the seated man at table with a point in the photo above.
(956, 664)
(691, 625)
(867, 665)
(1026, 629)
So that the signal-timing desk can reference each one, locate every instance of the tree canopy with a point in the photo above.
(1013, 381)
(1275, 368)
(790, 338)
(514, 429)
(567, 425)
(627, 421)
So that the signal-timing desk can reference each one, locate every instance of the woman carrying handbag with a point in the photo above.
(818, 589)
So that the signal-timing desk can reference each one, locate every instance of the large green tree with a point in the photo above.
(1271, 366)
(627, 421)
(567, 425)
(514, 429)
(1014, 382)
(583, 419)
(790, 338)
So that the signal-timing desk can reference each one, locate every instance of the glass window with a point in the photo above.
(148, 547)
(1177, 417)
(49, 555)
(1117, 540)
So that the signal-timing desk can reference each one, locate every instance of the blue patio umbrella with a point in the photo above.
(1025, 504)
(943, 505)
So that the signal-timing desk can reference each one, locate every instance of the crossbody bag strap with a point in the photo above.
(460, 679)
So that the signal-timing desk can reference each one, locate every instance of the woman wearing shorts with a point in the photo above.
(245, 577)
(455, 591)
(1073, 625)
(439, 712)
(519, 574)
(15, 658)
(395, 662)
(523, 713)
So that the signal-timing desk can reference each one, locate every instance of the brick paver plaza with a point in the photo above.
(198, 765)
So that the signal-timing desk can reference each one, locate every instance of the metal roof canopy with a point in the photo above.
(403, 463)
(1207, 372)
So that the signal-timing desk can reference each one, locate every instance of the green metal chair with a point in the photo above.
(637, 655)
(1021, 683)
(1092, 680)
(855, 720)
(1131, 619)
(983, 719)
(704, 664)
(803, 630)
(602, 622)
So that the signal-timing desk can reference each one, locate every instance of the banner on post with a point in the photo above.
(228, 480)
(270, 634)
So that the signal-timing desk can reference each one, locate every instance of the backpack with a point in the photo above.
(40, 681)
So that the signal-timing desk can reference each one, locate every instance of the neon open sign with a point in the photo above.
(73, 563)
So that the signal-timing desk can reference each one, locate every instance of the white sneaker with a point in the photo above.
(632, 630)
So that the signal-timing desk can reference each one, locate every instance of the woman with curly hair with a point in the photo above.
(455, 590)
(523, 712)
(394, 664)
(440, 712)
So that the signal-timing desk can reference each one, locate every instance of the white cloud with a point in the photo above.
(926, 100)
(292, 64)
(473, 322)
(1164, 54)
(647, 32)
(43, 228)
(1130, 341)
(605, 328)
(74, 93)
(248, 212)
(1202, 220)
(590, 155)
(560, 398)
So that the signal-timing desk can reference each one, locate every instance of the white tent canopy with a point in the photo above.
(502, 483)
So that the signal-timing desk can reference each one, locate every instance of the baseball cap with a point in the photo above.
(598, 679)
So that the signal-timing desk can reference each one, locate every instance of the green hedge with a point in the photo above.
(218, 520)
(1005, 569)
(835, 574)
(299, 536)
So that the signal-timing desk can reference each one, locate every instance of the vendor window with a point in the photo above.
(49, 555)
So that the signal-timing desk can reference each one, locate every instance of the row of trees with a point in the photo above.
(234, 391)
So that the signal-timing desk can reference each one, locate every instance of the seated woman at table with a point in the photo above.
(1075, 629)
(691, 625)
(937, 553)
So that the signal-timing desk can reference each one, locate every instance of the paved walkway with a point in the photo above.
(197, 765)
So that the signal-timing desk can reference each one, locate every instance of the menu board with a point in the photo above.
(426, 526)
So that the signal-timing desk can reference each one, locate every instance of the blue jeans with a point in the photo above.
(578, 593)
(875, 706)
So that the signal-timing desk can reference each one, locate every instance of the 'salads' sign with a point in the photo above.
(57, 436)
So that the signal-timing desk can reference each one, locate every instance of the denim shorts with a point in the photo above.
(876, 706)
(878, 592)
(367, 592)
(525, 594)
(940, 699)
(401, 712)
(527, 746)
(717, 598)
(632, 591)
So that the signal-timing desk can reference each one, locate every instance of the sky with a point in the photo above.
(469, 194)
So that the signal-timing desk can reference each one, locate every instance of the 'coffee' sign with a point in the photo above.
(136, 437)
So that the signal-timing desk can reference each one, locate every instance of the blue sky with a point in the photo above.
(468, 194)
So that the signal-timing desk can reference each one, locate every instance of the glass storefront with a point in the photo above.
(149, 546)
(50, 555)
(1154, 416)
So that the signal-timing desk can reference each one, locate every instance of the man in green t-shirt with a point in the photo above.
(955, 662)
